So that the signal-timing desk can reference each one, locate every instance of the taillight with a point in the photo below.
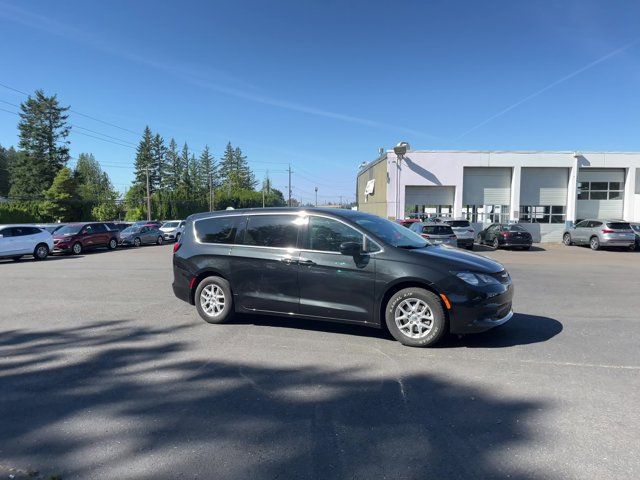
(176, 246)
(505, 235)
(606, 230)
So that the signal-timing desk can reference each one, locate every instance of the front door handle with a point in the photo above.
(306, 262)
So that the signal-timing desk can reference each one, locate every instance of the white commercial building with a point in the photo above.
(546, 190)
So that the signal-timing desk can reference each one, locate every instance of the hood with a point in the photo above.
(460, 259)
(167, 229)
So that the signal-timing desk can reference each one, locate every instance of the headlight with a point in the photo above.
(477, 278)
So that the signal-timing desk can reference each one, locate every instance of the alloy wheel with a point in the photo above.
(77, 248)
(42, 252)
(136, 242)
(212, 300)
(414, 318)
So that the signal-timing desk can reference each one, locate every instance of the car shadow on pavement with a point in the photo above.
(486, 248)
(522, 329)
(118, 400)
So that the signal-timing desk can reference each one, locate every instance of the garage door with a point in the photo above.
(486, 186)
(544, 186)
(429, 195)
(600, 193)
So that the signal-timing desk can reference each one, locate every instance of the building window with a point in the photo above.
(429, 211)
(542, 213)
(486, 213)
(600, 190)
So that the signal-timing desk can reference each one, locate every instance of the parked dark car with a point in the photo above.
(505, 235)
(636, 229)
(77, 237)
(117, 226)
(148, 223)
(141, 235)
(337, 265)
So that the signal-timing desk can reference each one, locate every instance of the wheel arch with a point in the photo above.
(209, 272)
(407, 283)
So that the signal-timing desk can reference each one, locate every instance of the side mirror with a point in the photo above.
(352, 249)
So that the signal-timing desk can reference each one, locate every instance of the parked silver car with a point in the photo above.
(599, 233)
(465, 233)
(138, 235)
(436, 233)
(172, 230)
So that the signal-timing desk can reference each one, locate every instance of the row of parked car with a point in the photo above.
(596, 233)
(41, 240)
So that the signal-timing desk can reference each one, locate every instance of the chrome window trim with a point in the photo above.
(297, 214)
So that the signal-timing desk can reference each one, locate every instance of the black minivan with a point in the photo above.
(336, 265)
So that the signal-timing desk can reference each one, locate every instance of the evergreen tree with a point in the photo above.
(4, 172)
(195, 178)
(174, 167)
(59, 204)
(185, 180)
(159, 163)
(246, 179)
(227, 169)
(43, 132)
(144, 160)
(208, 168)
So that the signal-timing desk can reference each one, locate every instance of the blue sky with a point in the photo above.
(322, 85)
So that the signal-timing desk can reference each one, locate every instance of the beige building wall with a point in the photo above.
(376, 203)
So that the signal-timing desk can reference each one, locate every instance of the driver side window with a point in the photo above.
(326, 234)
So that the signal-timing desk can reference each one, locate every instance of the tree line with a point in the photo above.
(36, 184)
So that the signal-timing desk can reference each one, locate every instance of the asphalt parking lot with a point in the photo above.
(105, 375)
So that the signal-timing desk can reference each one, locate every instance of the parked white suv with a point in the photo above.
(172, 229)
(19, 240)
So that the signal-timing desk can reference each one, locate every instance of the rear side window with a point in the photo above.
(217, 229)
(278, 231)
(619, 225)
(514, 228)
(437, 230)
(326, 234)
(5, 232)
(99, 228)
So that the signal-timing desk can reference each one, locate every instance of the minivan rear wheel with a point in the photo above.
(213, 300)
(415, 317)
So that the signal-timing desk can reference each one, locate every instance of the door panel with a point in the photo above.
(265, 273)
(333, 285)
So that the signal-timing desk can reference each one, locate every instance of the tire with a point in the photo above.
(217, 286)
(479, 239)
(632, 247)
(137, 242)
(113, 244)
(470, 247)
(159, 241)
(496, 243)
(77, 248)
(411, 334)
(566, 239)
(594, 243)
(41, 251)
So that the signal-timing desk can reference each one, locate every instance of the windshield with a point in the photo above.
(391, 232)
(131, 230)
(619, 225)
(437, 230)
(458, 223)
(171, 225)
(513, 228)
(69, 230)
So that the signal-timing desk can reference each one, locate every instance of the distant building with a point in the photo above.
(546, 190)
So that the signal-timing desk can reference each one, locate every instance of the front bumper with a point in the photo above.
(169, 236)
(475, 310)
(65, 248)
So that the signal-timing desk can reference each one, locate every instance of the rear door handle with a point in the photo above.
(306, 262)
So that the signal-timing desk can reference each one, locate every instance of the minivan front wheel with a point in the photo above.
(415, 317)
(213, 300)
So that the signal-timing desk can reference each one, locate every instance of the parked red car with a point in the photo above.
(77, 237)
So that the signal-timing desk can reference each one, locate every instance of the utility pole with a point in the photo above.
(289, 184)
(262, 197)
(148, 198)
(210, 193)
(340, 201)
(316, 196)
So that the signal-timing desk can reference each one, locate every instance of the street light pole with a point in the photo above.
(316, 196)
(400, 150)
